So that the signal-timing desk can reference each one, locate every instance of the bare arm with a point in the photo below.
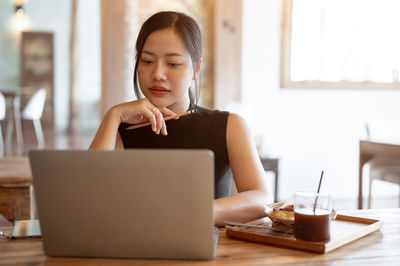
(107, 136)
(249, 203)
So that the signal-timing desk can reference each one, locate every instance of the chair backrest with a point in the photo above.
(2, 106)
(34, 108)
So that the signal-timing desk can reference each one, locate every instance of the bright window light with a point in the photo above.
(343, 41)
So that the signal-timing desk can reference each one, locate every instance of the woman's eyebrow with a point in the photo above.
(168, 54)
(174, 54)
(147, 52)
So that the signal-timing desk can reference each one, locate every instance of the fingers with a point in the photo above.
(160, 113)
(142, 111)
(145, 110)
(164, 128)
(159, 121)
(151, 116)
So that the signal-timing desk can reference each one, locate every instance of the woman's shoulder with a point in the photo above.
(233, 118)
(203, 111)
(214, 120)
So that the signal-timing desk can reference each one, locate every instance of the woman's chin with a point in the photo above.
(159, 103)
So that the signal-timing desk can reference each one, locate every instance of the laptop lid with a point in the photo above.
(132, 203)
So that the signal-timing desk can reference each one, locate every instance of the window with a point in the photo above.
(340, 44)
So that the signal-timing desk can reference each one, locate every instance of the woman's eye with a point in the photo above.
(174, 65)
(147, 62)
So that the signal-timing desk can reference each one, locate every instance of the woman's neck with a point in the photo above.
(180, 107)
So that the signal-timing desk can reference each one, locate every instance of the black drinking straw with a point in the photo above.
(319, 187)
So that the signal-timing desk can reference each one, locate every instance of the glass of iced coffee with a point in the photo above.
(312, 216)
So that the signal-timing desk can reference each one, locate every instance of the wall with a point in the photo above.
(42, 15)
(118, 24)
(88, 68)
(9, 63)
(309, 129)
(55, 16)
(228, 48)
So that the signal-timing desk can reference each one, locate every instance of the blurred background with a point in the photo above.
(311, 77)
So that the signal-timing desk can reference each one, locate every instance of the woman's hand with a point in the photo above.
(143, 110)
(107, 136)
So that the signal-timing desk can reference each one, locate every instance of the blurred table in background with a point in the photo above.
(369, 150)
(15, 188)
(272, 164)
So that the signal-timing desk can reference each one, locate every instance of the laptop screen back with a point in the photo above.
(132, 203)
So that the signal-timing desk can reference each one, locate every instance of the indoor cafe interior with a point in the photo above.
(316, 81)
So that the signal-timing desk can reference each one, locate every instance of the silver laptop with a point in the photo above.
(131, 204)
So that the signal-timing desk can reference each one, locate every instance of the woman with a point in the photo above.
(168, 63)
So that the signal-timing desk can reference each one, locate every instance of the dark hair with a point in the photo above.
(186, 27)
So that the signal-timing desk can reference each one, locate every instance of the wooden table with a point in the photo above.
(272, 164)
(378, 248)
(369, 150)
(15, 185)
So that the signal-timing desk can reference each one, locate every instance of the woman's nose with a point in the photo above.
(159, 72)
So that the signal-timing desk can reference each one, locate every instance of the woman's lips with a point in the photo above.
(159, 90)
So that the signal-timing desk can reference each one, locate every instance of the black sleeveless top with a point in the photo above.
(204, 129)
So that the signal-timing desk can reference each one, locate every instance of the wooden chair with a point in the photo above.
(33, 111)
(386, 168)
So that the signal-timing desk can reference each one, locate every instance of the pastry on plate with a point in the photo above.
(282, 217)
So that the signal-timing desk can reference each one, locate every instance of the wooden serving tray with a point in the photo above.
(344, 229)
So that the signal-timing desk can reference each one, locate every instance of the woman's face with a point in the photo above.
(165, 70)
